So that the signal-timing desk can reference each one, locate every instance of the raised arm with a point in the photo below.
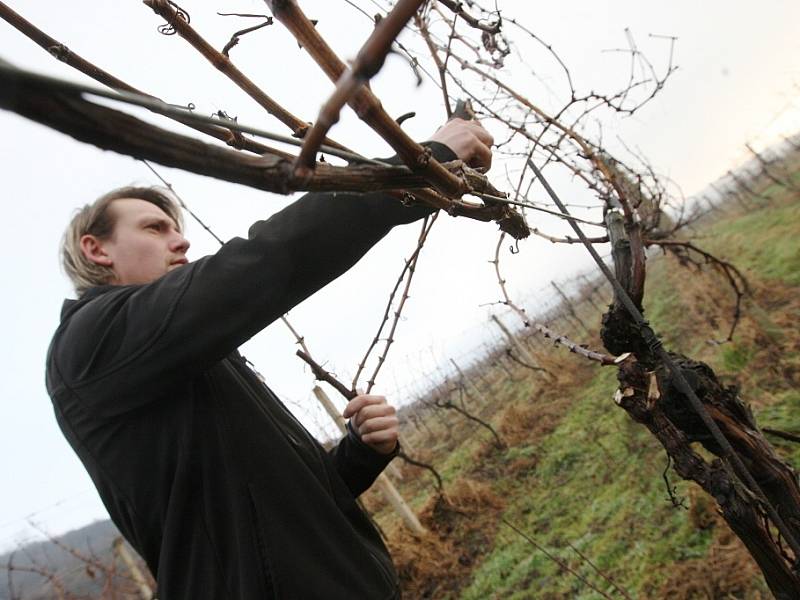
(145, 336)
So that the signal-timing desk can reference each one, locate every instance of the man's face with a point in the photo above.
(145, 243)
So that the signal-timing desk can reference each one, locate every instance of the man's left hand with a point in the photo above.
(374, 421)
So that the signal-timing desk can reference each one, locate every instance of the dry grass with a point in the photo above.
(726, 571)
(461, 527)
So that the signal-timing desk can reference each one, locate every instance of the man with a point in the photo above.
(203, 470)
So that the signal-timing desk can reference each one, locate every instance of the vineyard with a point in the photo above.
(634, 439)
(577, 496)
(587, 485)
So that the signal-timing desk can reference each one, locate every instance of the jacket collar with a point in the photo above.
(71, 305)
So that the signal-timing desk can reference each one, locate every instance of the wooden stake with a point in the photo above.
(523, 351)
(479, 397)
(145, 591)
(400, 507)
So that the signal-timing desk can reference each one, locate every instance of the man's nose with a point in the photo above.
(180, 244)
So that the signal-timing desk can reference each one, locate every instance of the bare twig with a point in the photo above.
(510, 354)
(55, 582)
(237, 35)
(792, 437)
(368, 62)
(365, 104)
(422, 465)
(301, 340)
(450, 405)
(322, 375)
(64, 54)
(408, 273)
(567, 239)
(409, 262)
(168, 12)
(458, 8)
(603, 359)
(441, 66)
(682, 251)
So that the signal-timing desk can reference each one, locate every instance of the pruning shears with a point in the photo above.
(463, 110)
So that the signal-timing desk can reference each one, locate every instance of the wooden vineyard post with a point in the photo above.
(590, 291)
(400, 507)
(404, 443)
(145, 591)
(330, 408)
(523, 351)
(420, 422)
(480, 399)
(383, 483)
(570, 308)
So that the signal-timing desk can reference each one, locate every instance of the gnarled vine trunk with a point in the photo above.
(649, 394)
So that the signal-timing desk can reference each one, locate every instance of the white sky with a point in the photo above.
(738, 81)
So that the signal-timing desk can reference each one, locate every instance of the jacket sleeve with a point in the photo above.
(135, 340)
(358, 464)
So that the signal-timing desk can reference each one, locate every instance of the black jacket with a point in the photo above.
(204, 471)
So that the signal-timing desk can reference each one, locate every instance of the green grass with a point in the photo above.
(597, 486)
(597, 481)
(784, 415)
(736, 356)
(763, 243)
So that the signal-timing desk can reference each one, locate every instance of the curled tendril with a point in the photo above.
(190, 107)
(514, 248)
(168, 28)
(672, 492)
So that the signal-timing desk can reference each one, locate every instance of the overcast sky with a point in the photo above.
(738, 81)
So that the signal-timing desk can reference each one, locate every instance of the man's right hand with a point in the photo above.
(468, 140)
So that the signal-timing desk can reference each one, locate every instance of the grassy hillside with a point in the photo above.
(574, 504)
(578, 477)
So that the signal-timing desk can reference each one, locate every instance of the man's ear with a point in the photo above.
(93, 250)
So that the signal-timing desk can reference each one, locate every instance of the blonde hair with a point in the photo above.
(96, 219)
